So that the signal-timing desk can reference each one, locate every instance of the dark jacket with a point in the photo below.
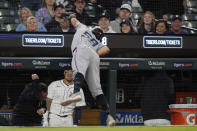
(25, 111)
(52, 25)
(83, 18)
(157, 93)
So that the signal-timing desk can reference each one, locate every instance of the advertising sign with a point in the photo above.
(162, 42)
(42, 40)
(124, 118)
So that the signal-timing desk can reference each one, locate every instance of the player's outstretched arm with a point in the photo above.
(74, 20)
(103, 51)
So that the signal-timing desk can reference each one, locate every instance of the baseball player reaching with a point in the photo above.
(86, 48)
(58, 114)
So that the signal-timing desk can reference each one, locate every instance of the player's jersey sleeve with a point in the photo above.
(51, 90)
(82, 102)
(100, 45)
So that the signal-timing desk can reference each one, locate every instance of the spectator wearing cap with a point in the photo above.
(104, 23)
(125, 13)
(176, 26)
(55, 22)
(46, 13)
(161, 27)
(93, 10)
(80, 12)
(147, 23)
(25, 13)
(125, 27)
(112, 5)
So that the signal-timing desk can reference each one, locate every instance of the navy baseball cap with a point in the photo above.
(105, 14)
(176, 17)
(125, 21)
(57, 6)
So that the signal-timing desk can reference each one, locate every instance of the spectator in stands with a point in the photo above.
(176, 26)
(55, 21)
(80, 12)
(93, 10)
(156, 93)
(25, 13)
(68, 4)
(161, 27)
(125, 13)
(147, 23)
(126, 28)
(32, 25)
(33, 5)
(161, 7)
(31, 104)
(133, 3)
(46, 13)
(64, 25)
(112, 5)
(104, 23)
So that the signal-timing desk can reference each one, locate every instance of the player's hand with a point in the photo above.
(40, 111)
(72, 15)
(34, 76)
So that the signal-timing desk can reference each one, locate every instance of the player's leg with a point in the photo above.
(80, 62)
(93, 81)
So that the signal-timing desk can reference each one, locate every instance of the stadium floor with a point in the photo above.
(102, 128)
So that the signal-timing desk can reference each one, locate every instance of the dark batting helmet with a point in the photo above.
(98, 33)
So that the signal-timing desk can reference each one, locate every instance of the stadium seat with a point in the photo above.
(137, 16)
(8, 27)
(191, 24)
(191, 3)
(9, 20)
(4, 5)
(190, 17)
(191, 10)
(7, 12)
(137, 10)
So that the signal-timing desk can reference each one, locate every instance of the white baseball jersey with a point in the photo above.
(58, 91)
(85, 58)
(84, 37)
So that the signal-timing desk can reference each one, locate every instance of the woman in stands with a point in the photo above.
(125, 27)
(161, 27)
(25, 13)
(147, 23)
(45, 14)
